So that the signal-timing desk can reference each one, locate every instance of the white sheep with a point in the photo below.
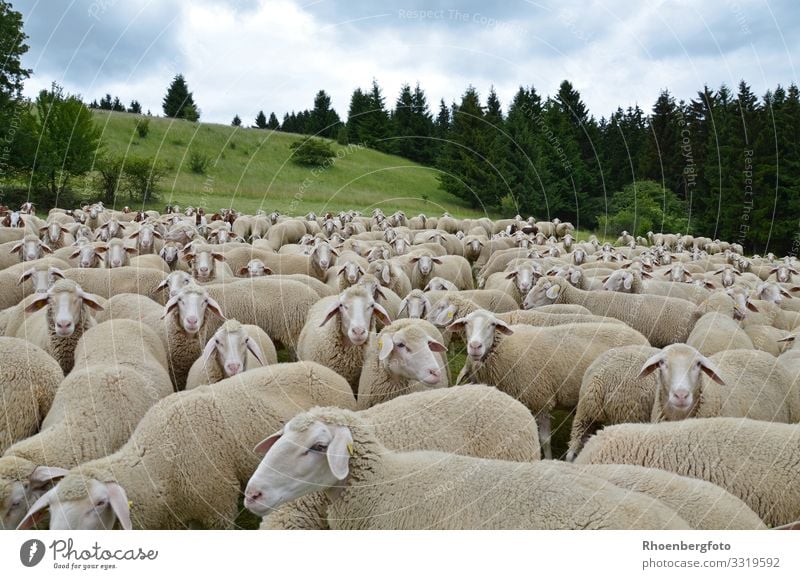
(406, 356)
(470, 420)
(341, 346)
(715, 332)
(120, 373)
(110, 282)
(233, 349)
(743, 383)
(540, 366)
(30, 380)
(376, 488)
(190, 455)
(662, 320)
(753, 460)
(65, 317)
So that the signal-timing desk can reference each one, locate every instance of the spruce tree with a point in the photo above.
(179, 102)
(323, 121)
(272, 123)
(135, 107)
(237, 121)
(261, 120)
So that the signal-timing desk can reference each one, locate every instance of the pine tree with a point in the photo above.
(135, 107)
(106, 103)
(179, 102)
(323, 121)
(663, 159)
(118, 106)
(404, 141)
(357, 116)
(272, 123)
(372, 124)
(261, 120)
(237, 121)
(525, 171)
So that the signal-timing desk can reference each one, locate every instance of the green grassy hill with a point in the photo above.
(251, 169)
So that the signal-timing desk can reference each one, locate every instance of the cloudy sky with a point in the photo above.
(239, 56)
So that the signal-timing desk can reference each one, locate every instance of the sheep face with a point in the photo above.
(351, 271)
(578, 256)
(619, 281)
(323, 256)
(52, 232)
(355, 310)
(474, 247)
(42, 279)
(418, 306)
(175, 282)
(30, 248)
(255, 268)
(88, 255)
(784, 273)
(524, 276)
(440, 284)
(544, 293)
(65, 302)
(400, 245)
(203, 262)
(677, 273)
(771, 292)
(191, 304)
(117, 255)
(426, 263)
(230, 344)
(480, 328)
(409, 354)
(79, 503)
(381, 270)
(20, 490)
(304, 457)
(679, 368)
(169, 253)
(145, 238)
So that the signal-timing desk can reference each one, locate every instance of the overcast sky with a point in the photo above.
(239, 56)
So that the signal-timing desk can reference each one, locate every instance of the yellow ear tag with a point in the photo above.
(449, 315)
(380, 344)
(350, 448)
(130, 505)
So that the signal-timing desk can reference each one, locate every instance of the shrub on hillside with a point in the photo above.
(312, 152)
(142, 127)
(198, 162)
(644, 206)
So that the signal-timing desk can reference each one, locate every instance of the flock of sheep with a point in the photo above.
(142, 389)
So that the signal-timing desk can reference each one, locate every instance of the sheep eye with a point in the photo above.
(100, 503)
(400, 345)
(319, 447)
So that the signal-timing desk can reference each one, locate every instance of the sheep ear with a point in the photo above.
(385, 346)
(38, 303)
(131, 250)
(458, 325)
(785, 294)
(382, 314)
(379, 291)
(25, 275)
(171, 304)
(255, 349)
(437, 260)
(503, 327)
(215, 307)
(339, 451)
(711, 370)
(118, 499)
(208, 350)
(651, 364)
(750, 305)
(787, 339)
(386, 276)
(45, 248)
(403, 306)
(38, 511)
(134, 235)
(91, 301)
(436, 346)
(43, 475)
(243, 270)
(218, 256)
(263, 447)
(414, 259)
(512, 274)
(157, 234)
(627, 282)
(646, 275)
(332, 311)
(667, 272)
(101, 249)
(553, 291)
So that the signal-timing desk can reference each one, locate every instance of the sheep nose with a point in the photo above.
(204, 269)
(253, 496)
(233, 368)
(474, 345)
(191, 320)
(435, 373)
(116, 263)
(359, 332)
(63, 324)
(681, 395)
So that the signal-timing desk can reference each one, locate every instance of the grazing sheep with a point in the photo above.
(158, 480)
(390, 276)
(612, 392)
(540, 366)
(24, 279)
(29, 249)
(470, 420)
(451, 267)
(376, 488)
(741, 383)
(715, 332)
(203, 262)
(407, 356)
(30, 380)
(702, 504)
(120, 374)
(61, 324)
(516, 281)
(341, 346)
(753, 460)
(232, 349)
(662, 320)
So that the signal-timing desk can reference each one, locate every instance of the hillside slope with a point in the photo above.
(251, 169)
